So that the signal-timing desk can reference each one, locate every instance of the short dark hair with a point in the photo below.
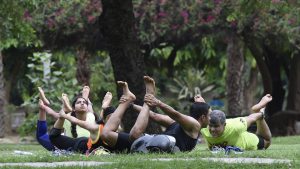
(217, 116)
(198, 109)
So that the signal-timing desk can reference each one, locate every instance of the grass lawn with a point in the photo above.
(281, 148)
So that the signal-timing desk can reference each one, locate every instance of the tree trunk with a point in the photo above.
(250, 90)
(2, 98)
(235, 54)
(118, 29)
(294, 85)
(83, 72)
(274, 65)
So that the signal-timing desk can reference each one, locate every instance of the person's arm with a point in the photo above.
(90, 106)
(51, 112)
(190, 125)
(92, 127)
(161, 119)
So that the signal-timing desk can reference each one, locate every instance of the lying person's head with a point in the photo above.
(217, 123)
(200, 111)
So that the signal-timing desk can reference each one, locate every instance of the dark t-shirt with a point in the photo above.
(183, 141)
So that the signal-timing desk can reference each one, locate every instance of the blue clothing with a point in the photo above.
(42, 135)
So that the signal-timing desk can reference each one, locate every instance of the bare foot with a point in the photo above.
(41, 104)
(106, 100)
(150, 85)
(66, 103)
(262, 103)
(86, 92)
(43, 97)
(126, 92)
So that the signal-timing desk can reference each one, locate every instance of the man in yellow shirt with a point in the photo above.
(224, 132)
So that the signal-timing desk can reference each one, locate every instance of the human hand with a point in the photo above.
(151, 100)
(199, 98)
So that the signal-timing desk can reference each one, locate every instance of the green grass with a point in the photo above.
(281, 148)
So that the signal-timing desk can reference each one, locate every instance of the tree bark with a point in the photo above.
(234, 85)
(2, 98)
(83, 72)
(249, 90)
(293, 99)
(274, 65)
(118, 28)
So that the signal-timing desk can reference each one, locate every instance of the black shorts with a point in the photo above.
(123, 143)
(261, 142)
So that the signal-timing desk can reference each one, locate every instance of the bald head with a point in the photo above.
(216, 117)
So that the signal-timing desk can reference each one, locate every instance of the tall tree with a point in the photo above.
(117, 24)
(234, 84)
(2, 96)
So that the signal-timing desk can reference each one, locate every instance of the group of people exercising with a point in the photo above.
(79, 129)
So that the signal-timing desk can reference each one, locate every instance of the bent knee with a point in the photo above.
(104, 135)
(267, 143)
(107, 135)
(54, 132)
(135, 133)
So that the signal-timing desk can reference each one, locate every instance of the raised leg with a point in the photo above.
(105, 103)
(142, 120)
(109, 134)
(262, 127)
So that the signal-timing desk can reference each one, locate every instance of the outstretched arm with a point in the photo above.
(49, 110)
(92, 127)
(188, 123)
(161, 119)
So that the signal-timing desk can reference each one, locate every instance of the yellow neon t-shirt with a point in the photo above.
(81, 132)
(235, 134)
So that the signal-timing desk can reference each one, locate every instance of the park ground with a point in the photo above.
(283, 153)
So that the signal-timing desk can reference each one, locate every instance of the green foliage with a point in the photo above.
(55, 79)
(68, 17)
(14, 30)
(185, 85)
(29, 125)
(102, 79)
